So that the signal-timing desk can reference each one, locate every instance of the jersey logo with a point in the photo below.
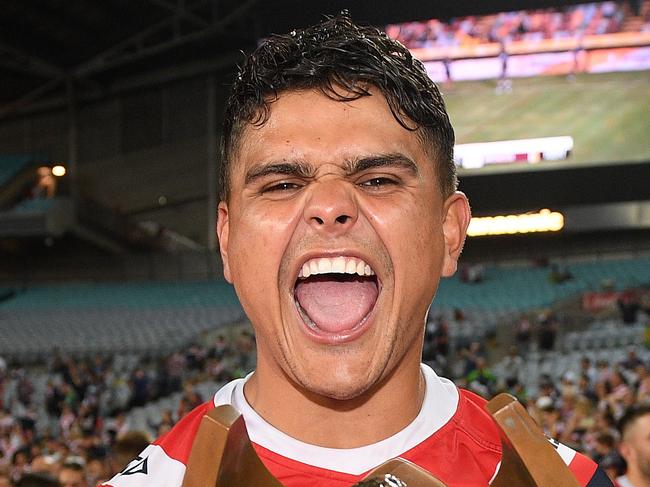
(139, 465)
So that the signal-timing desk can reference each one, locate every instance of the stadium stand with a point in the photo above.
(85, 319)
(584, 19)
(11, 165)
(521, 287)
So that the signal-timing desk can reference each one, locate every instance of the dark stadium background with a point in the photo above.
(128, 96)
(147, 82)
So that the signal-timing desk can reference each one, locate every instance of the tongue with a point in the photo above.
(336, 305)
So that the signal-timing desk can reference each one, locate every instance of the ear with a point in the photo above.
(454, 228)
(626, 451)
(223, 231)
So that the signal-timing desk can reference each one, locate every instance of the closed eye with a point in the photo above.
(378, 182)
(279, 187)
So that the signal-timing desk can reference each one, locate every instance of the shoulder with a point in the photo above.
(177, 442)
(476, 421)
(473, 418)
(163, 462)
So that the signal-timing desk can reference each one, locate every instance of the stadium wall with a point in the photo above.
(144, 153)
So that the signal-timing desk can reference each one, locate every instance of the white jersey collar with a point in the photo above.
(440, 403)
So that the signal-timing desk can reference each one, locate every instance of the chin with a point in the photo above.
(339, 391)
(340, 385)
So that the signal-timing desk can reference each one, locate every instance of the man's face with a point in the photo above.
(69, 477)
(635, 447)
(342, 192)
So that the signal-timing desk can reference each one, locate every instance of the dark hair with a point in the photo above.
(342, 60)
(75, 463)
(630, 416)
(37, 479)
(606, 439)
(130, 444)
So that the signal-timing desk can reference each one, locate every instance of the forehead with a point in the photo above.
(639, 427)
(312, 126)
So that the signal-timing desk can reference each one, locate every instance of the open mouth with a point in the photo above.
(335, 295)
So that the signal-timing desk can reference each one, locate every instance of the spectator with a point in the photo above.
(558, 275)
(72, 473)
(605, 444)
(629, 306)
(140, 387)
(512, 364)
(20, 463)
(620, 398)
(643, 383)
(47, 464)
(588, 370)
(614, 466)
(635, 447)
(632, 361)
(523, 334)
(481, 380)
(126, 448)
(547, 332)
(97, 469)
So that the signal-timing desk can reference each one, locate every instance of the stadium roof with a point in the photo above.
(104, 46)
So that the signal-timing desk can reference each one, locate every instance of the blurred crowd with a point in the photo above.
(570, 21)
(590, 408)
(74, 428)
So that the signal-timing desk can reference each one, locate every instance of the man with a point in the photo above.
(635, 447)
(338, 217)
(72, 473)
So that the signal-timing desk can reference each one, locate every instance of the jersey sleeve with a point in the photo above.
(583, 468)
(163, 462)
(599, 479)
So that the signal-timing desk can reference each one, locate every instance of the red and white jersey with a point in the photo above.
(453, 437)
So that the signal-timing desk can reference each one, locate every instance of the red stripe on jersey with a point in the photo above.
(177, 442)
(582, 468)
(293, 473)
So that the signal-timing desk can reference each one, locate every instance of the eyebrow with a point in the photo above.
(382, 160)
(295, 169)
(304, 170)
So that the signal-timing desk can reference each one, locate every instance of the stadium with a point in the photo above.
(116, 320)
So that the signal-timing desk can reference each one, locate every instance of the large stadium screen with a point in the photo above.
(540, 89)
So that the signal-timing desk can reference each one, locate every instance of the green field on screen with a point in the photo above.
(608, 115)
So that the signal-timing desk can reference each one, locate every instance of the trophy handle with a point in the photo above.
(222, 454)
(528, 458)
(408, 472)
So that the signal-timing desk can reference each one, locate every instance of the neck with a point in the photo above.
(637, 479)
(380, 412)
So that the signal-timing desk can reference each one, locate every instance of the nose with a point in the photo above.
(331, 207)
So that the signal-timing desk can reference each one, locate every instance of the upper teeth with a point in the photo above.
(338, 265)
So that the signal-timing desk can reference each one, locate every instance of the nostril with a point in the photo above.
(342, 218)
(319, 220)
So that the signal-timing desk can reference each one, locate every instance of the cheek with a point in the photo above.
(412, 234)
(258, 239)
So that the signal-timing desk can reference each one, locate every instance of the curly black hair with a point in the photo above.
(342, 60)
